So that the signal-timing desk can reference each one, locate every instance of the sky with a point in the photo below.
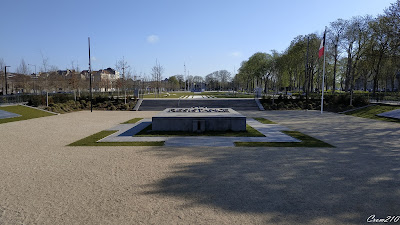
(205, 35)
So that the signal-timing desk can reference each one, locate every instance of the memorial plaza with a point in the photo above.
(45, 181)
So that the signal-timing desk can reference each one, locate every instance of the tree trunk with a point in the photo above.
(377, 73)
(334, 71)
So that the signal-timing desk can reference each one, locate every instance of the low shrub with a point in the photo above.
(332, 102)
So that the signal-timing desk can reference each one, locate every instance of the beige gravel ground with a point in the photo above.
(42, 181)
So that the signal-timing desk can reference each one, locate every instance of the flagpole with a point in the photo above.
(323, 76)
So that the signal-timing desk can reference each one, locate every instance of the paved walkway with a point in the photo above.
(5, 114)
(126, 132)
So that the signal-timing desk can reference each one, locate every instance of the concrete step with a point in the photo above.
(138, 103)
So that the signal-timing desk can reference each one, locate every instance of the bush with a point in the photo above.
(300, 104)
(281, 105)
(36, 100)
(267, 107)
(123, 107)
(360, 100)
(332, 102)
(71, 105)
(61, 98)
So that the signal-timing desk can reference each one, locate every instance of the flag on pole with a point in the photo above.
(322, 46)
(322, 53)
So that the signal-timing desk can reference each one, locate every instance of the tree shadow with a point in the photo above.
(295, 185)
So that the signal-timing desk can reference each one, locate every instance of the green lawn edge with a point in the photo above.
(92, 141)
(250, 132)
(263, 120)
(372, 111)
(306, 141)
(134, 120)
(25, 112)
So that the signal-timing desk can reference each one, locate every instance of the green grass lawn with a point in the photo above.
(264, 121)
(306, 141)
(134, 120)
(25, 112)
(91, 141)
(371, 111)
(250, 132)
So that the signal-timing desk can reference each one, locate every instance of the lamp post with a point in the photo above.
(33, 78)
(5, 77)
(90, 77)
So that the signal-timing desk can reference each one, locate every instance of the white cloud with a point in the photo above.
(236, 54)
(152, 39)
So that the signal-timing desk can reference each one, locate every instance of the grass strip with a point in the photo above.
(230, 95)
(171, 95)
(372, 111)
(264, 121)
(134, 120)
(25, 112)
(250, 132)
(306, 141)
(91, 141)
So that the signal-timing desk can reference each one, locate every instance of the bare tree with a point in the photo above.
(124, 69)
(2, 64)
(156, 73)
(45, 63)
(122, 65)
(75, 79)
(23, 68)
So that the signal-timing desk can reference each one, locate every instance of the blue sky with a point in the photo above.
(207, 35)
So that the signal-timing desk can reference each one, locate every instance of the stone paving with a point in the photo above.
(126, 132)
(5, 114)
(391, 114)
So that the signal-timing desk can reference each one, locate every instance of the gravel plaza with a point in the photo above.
(44, 181)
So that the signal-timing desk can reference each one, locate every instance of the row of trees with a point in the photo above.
(217, 80)
(361, 53)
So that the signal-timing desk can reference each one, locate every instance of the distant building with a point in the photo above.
(65, 72)
(105, 79)
(366, 84)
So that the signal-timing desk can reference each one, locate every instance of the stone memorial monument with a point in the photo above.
(199, 119)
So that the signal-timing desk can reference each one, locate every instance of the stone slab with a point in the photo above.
(5, 114)
(391, 114)
(271, 131)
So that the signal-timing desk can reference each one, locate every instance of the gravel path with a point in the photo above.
(45, 182)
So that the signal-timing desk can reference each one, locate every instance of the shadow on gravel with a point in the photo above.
(294, 185)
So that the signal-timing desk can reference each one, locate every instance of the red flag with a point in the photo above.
(322, 47)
